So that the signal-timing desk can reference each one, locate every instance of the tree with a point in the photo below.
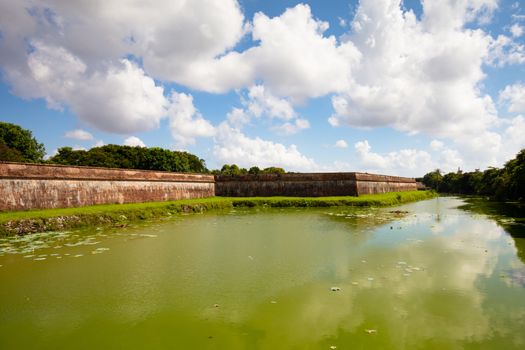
(433, 179)
(507, 183)
(273, 170)
(254, 170)
(18, 144)
(127, 157)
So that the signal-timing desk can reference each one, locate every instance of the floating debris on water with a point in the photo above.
(333, 347)
(78, 255)
(273, 302)
(39, 259)
(335, 289)
(371, 331)
(370, 278)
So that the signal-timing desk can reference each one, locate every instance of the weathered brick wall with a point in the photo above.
(35, 186)
(30, 186)
(310, 185)
(296, 185)
(373, 184)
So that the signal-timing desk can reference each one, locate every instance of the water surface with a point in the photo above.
(437, 277)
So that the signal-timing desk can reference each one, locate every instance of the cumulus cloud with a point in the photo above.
(99, 143)
(417, 88)
(119, 99)
(78, 134)
(516, 30)
(402, 162)
(341, 144)
(295, 59)
(260, 103)
(290, 128)
(436, 145)
(503, 50)
(232, 146)
(186, 122)
(514, 97)
(134, 141)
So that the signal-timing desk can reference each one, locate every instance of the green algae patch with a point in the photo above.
(33, 221)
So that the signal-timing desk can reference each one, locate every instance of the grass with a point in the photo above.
(22, 222)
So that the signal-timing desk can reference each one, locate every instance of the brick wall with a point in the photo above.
(31, 186)
(310, 185)
(36, 186)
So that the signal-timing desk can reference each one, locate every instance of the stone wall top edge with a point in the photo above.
(50, 171)
(314, 177)
(287, 177)
(383, 178)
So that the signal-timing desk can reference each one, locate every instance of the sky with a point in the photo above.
(383, 86)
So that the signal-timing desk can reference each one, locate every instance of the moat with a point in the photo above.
(426, 275)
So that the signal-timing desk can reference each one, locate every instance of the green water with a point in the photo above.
(437, 277)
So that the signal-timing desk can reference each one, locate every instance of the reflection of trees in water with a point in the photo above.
(510, 216)
(520, 247)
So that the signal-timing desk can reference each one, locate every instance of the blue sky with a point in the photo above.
(386, 86)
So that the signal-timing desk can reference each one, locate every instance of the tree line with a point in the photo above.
(234, 169)
(507, 183)
(19, 145)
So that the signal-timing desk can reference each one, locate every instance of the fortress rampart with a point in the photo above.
(38, 186)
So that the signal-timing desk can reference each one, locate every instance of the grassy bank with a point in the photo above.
(23, 222)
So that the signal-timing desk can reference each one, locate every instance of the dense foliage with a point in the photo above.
(234, 169)
(19, 145)
(115, 156)
(507, 183)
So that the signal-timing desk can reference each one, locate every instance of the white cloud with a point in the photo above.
(238, 117)
(186, 122)
(417, 88)
(505, 51)
(102, 31)
(514, 96)
(290, 128)
(341, 144)
(232, 146)
(513, 140)
(403, 162)
(119, 99)
(450, 160)
(134, 141)
(79, 134)
(294, 59)
(516, 30)
(99, 143)
(71, 54)
(260, 103)
(436, 145)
